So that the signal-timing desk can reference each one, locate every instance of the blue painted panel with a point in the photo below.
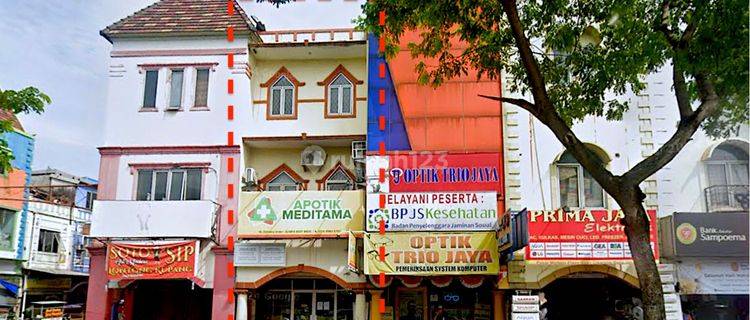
(395, 136)
(23, 154)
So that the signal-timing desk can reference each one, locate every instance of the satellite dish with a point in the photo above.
(313, 156)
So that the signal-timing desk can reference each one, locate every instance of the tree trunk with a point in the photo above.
(637, 228)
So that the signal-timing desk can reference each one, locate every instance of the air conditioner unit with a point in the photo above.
(251, 177)
(313, 156)
(359, 148)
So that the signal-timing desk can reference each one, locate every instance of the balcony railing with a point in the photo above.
(727, 198)
(154, 219)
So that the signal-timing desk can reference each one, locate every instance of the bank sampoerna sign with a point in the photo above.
(442, 172)
(698, 234)
(431, 253)
(173, 260)
(432, 211)
(581, 235)
(302, 212)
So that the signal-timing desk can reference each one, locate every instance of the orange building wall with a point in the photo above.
(12, 198)
(451, 117)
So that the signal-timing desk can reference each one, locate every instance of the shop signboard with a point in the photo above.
(433, 211)
(431, 172)
(171, 260)
(713, 277)
(301, 212)
(691, 234)
(260, 254)
(425, 254)
(581, 235)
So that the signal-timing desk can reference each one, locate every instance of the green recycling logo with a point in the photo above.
(263, 212)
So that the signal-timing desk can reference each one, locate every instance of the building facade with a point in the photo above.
(59, 214)
(13, 218)
(708, 179)
(161, 217)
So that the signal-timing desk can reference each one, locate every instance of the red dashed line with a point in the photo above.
(230, 216)
(230, 112)
(381, 226)
(381, 96)
(381, 279)
(381, 45)
(382, 201)
(230, 295)
(381, 175)
(381, 253)
(230, 138)
(381, 305)
(230, 33)
(230, 7)
(230, 317)
(381, 147)
(230, 269)
(381, 70)
(230, 243)
(381, 123)
(381, 18)
(230, 164)
(230, 60)
(230, 86)
(230, 190)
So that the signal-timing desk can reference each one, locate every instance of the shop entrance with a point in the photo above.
(304, 299)
(591, 296)
(170, 300)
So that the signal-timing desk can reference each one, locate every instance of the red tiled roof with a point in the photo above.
(181, 17)
(6, 115)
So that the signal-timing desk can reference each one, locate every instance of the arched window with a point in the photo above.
(283, 182)
(340, 98)
(727, 173)
(283, 178)
(282, 98)
(577, 187)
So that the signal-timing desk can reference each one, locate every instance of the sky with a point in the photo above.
(56, 47)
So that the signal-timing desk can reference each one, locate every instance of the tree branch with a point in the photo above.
(685, 130)
(523, 103)
(544, 109)
(681, 92)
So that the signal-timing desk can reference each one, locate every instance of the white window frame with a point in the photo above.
(43, 244)
(283, 186)
(144, 87)
(169, 172)
(282, 97)
(581, 186)
(12, 219)
(340, 94)
(182, 90)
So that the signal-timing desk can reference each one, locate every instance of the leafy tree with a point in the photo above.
(574, 57)
(28, 100)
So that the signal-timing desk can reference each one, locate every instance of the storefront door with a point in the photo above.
(317, 300)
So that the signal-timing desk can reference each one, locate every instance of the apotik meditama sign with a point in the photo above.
(175, 260)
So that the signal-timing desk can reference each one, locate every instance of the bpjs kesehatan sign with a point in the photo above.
(173, 260)
(431, 253)
(581, 235)
(432, 211)
(302, 212)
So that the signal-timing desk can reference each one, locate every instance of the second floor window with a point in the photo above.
(282, 97)
(175, 88)
(339, 180)
(340, 96)
(283, 182)
(149, 92)
(49, 241)
(162, 185)
(727, 165)
(201, 88)
(578, 189)
(90, 197)
(7, 228)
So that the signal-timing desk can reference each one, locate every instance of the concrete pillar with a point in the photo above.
(241, 306)
(98, 299)
(498, 304)
(360, 307)
(375, 304)
(253, 303)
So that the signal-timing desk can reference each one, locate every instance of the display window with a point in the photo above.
(449, 300)
(304, 299)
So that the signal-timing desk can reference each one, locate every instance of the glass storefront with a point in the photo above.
(304, 299)
(451, 301)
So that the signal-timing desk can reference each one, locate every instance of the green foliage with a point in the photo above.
(28, 100)
(589, 51)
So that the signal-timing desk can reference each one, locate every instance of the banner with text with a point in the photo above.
(433, 211)
(174, 260)
(432, 253)
(581, 235)
(302, 212)
(713, 277)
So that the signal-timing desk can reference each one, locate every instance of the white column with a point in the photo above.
(241, 313)
(360, 307)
